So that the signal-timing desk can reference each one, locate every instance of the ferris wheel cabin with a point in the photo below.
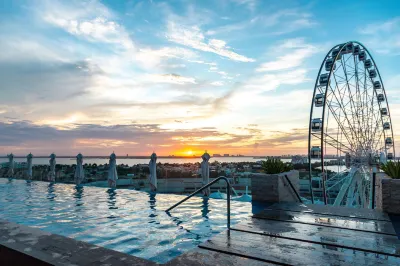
(316, 124)
(356, 50)
(328, 64)
(367, 63)
(377, 85)
(381, 97)
(315, 152)
(335, 52)
(390, 156)
(384, 111)
(386, 125)
(319, 100)
(361, 56)
(372, 73)
(389, 141)
(349, 48)
(323, 79)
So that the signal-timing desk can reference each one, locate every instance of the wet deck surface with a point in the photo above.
(284, 234)
(296, 234)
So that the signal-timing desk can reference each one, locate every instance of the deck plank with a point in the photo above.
(205, 257)
(331, 210)
(364, 241)
(291, 252)
(350, 223)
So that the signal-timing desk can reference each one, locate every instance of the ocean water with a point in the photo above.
(128, 221)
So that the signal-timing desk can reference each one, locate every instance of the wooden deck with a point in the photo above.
(298, 234)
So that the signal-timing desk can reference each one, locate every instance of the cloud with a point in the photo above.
(388, 30)
(295, 51)
(194, 38)
(277, 22)
(381, 27)
(58, 81)
(268, 82)
(90, 139)
(98, 29)
(172, 78)
(250, 4)
(89, 20)
(217, 83)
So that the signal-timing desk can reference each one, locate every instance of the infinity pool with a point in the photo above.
(125, 220)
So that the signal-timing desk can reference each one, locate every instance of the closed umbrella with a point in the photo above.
(10, 165)
(153, 172)
(52, 173)
(205, 172)
(29, 166)
(112, 171)
(79, 173)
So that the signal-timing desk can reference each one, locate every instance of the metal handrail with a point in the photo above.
(228, 199)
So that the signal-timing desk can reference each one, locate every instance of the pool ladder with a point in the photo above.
(228, 198)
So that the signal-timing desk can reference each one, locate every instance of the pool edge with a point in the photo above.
(24, 245)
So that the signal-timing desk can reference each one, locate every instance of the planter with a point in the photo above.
(274, 188)
(387, 193)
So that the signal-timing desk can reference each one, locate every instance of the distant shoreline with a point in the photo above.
(139, 157)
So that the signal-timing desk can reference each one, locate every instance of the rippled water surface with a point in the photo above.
(125, 220)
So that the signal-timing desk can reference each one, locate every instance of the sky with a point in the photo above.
(177, 77)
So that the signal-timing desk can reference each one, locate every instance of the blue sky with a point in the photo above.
(229, 76)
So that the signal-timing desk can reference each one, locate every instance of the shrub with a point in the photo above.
(392, 169)
(275, 166)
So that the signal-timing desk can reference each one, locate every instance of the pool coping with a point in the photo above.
(24, 245)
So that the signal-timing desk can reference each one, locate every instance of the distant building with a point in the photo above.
(226, 155)
(298, 159)
(216, 155)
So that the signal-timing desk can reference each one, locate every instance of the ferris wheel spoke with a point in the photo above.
(343, 109)
(337, 118)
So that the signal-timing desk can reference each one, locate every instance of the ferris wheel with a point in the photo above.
(350, 128)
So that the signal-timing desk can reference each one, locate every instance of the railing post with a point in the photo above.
(373, 190)
(228, 204)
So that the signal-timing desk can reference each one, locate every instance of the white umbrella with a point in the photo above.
(382, 158)
(153, 172)
(29, 165)
(79, 173)
(10, 165)
(205, 172)
(112, 171)
(52, 173)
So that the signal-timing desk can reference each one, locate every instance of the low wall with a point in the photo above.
(387, 192)
(165, 185)
(23, 245)
(274, 188)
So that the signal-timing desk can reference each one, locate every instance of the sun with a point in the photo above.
(190, 152)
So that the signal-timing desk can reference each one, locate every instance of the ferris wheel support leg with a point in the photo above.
(343, 191)
(372, 192)
(350, 194)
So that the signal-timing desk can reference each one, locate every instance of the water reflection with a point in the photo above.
(152, 203)
(50, 192)
(204, 208)
(112, 199)
(78, 194)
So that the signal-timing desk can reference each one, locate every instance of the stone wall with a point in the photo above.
(274, 188)
(387, 192)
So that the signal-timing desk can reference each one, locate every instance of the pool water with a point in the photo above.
(125, 220)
